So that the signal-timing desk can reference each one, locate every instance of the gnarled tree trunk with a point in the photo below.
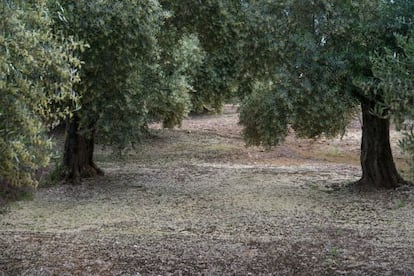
(78, 153)
(378, 167)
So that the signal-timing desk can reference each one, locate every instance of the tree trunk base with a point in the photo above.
(378, 167)
(87, 171)
(364, 186)
(90, 170)
(78, 154)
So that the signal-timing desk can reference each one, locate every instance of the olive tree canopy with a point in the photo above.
(317, 68)
(37, 72)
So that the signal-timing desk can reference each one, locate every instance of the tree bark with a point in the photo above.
(378, 167)
(78, 153)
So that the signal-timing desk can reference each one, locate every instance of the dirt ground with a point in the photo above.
(194, 200)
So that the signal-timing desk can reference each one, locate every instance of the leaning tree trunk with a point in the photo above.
(378, 167)
(78, 153)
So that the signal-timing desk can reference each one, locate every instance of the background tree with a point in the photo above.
(317, 70)
(125, 82)
(37, 70)
(219, 26)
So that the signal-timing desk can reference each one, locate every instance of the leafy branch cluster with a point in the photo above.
(38, 70)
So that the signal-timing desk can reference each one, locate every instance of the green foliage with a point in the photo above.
(300, 64)
(394, 72)
(132, 75)
(265, 114)
(37, 70)
(178, 67)
(219, 26)
(316, 55)
(299, 53)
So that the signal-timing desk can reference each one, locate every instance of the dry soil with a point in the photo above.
(195, 200)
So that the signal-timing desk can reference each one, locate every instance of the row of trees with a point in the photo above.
(108, 68)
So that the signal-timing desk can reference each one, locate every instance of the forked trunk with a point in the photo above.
(378, 167)
(78, 153)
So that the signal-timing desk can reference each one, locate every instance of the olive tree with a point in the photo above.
(37, 71)
(315, 67)
(128, 79)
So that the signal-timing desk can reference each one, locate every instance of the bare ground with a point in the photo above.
(196, 201)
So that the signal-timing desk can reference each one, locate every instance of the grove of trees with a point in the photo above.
(109, 68)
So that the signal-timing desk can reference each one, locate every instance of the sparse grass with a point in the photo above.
(314, 186)
(332, 154)
(334, 252)
(200, 203)
(223, 148)
(10, 194)
(401, 203)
